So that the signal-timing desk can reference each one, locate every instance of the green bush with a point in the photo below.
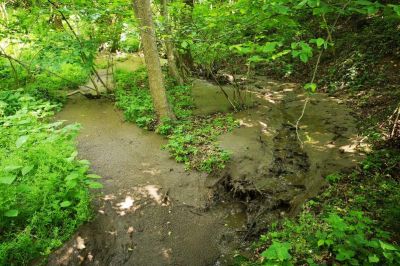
(350, 239)
(44, 193)
(131, 44)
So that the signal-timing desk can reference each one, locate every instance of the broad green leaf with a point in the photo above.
(345, 254)
(184, 44)
(8, 180)
(278, 251)
(65, 204)
(93, 176)
(11, 213)
(27, 169)
(95, 185)
(387, 246)
(373, 258)
(71, 183)
(21, 140)
(304, 58)
(310, 87)
(72, 176)
(12, 168)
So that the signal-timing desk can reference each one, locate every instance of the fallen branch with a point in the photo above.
(397, 110)
(223, 91)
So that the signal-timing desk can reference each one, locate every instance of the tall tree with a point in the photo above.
(169, 45)
(143, 13)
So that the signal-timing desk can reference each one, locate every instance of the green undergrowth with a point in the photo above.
(191, 139)
(353, 222)
(44, 67)
(44, 189)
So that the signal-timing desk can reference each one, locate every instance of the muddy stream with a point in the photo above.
(153, 212)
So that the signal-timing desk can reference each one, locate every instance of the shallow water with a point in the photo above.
(153, 212)
(270, 169)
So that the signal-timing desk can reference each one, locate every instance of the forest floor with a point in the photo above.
(152, 211)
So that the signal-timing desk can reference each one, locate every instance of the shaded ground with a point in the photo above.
(152, 211)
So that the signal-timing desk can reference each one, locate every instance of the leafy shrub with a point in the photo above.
(43, 189)
(131, 43)
(350, 239)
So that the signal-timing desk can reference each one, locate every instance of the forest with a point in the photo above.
(199, 132)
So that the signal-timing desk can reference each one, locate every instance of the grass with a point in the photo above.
(191, 139)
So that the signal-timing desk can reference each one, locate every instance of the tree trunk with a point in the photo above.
(156, 81)
(172, 68)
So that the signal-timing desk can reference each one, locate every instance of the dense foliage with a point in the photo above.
(44, 193)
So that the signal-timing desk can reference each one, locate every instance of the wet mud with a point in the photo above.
(271, 172)
(151, 211)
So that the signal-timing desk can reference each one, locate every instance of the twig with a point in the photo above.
(223, 91)
(329, 37)
(395, 122)
(307, 99)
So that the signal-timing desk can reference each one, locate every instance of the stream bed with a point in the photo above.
(154, 212)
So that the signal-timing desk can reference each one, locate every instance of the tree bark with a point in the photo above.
(143, 13)
(172, 67)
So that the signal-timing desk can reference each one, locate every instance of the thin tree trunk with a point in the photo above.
(172, 68)
(143, 13)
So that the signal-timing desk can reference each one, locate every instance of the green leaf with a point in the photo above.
(12, 168)
(21, 140)
(345, 254)
(95, 185)
(269, 47)
(72, 176)
(27, 169)
(387, 246)
(304, 58)
(321, 242)
(65, 204)
(8, 180)
(320, 42)
(256, 59)
(93, 176)
(278, 251)
(11, 213)
(71, 183)
(373, 258)
(310, 87)
(184, 44)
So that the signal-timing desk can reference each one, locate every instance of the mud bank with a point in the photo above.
(271, 172)
(151, 211)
